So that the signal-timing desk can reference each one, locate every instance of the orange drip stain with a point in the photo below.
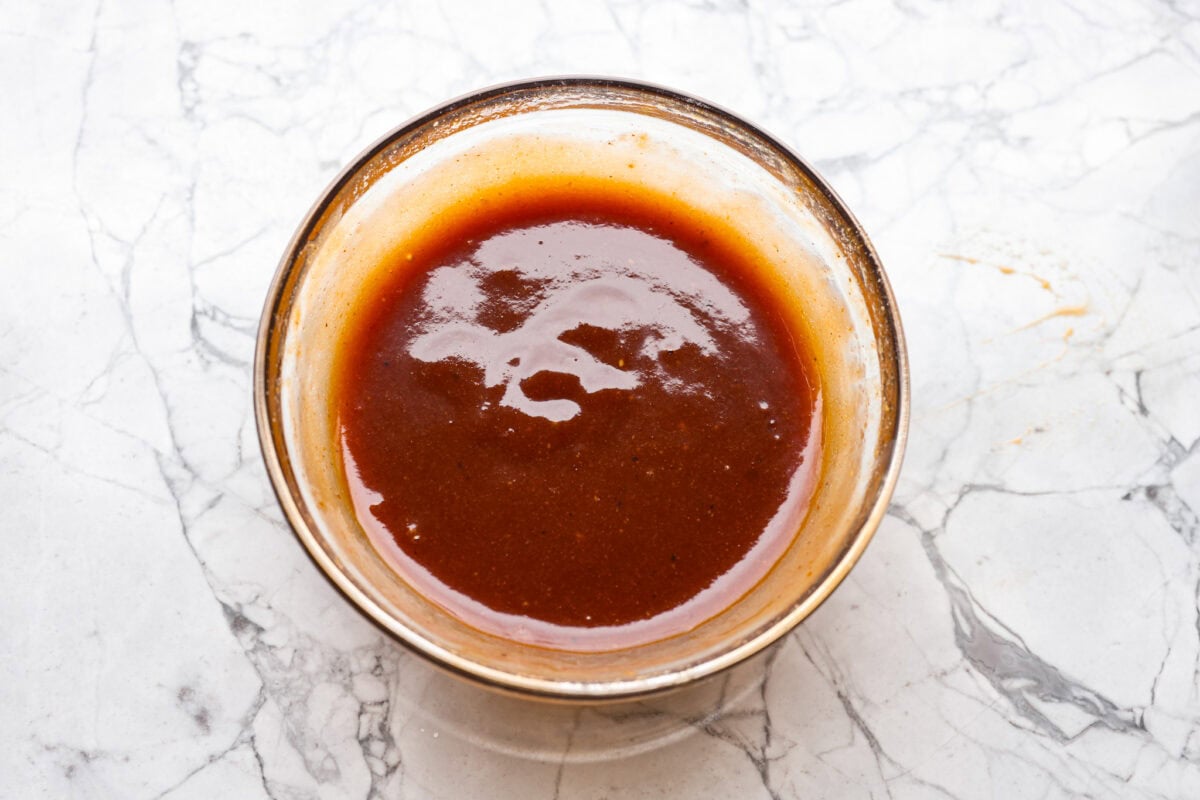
(1061, 311)
(1003, 269)
(964, 259)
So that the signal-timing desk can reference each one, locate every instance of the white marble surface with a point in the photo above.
(1025, 623)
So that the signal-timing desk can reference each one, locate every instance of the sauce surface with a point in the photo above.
(578, 416)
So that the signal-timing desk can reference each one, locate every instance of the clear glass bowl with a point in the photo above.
(585, 126)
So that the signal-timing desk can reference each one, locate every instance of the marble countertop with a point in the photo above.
(1025, 623)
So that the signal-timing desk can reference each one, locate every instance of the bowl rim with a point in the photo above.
(269, 335)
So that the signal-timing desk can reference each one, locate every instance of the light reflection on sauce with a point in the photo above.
(613, 293)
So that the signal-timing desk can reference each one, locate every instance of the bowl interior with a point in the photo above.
(440, 165)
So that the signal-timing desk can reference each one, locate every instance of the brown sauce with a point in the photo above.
(578, 419)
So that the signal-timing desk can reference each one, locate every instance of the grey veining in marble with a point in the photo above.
(1026, 623)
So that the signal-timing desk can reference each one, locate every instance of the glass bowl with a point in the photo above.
(558, 128)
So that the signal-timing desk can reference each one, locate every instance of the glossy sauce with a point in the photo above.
(578, 421)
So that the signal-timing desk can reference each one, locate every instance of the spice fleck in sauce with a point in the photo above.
(578, 412)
